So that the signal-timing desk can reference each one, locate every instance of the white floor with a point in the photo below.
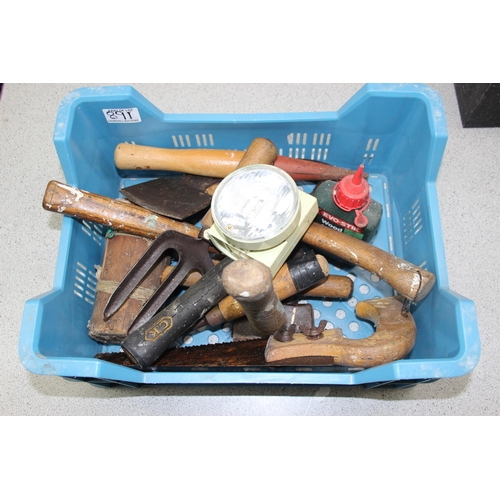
(468, 191)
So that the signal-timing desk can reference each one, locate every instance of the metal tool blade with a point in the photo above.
(177, 197)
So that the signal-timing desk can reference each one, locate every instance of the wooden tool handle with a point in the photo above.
(310, 170)
(250, 282)
(217, 162)
(393, 339)
(334, 287)
(112, 213)
(284, 285)
(207, 162)
(260, 151)
(412, 282)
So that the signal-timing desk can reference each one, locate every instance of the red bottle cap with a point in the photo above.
(352, 192)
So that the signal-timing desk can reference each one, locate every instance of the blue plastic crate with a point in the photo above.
(398, 131)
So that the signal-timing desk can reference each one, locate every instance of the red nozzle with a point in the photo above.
(352, 192)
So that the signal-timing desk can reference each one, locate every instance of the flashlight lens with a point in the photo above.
(256, 204)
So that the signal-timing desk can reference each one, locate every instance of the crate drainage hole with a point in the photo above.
(340, 313)
(319, 142)
(85, 283)
(94, 231)
(187, 339)
(412, 222)
(371, 145)
(354, 326)
(203, 140)
(352, 301)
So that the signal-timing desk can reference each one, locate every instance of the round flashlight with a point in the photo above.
(256, 207)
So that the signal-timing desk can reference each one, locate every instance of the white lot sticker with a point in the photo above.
(123, 115)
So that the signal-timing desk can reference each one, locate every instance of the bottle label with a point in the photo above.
(340, 225)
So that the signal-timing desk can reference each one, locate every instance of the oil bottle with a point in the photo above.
(347, 206)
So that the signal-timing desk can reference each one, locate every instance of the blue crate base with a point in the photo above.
(397, 131)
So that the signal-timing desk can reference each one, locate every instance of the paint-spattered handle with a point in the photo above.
(409, 280)
(113, 213)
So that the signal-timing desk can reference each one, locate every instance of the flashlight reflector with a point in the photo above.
(256, 207)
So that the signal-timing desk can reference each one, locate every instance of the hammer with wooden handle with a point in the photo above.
(217, 162)
(409, 280)
(250, 282)
(296, 275)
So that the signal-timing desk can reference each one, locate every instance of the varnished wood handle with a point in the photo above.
(393, 339)
(334, 287)
(113, 213)
(217, 162)
(260, 151)
(409, 280)
(207, 162)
